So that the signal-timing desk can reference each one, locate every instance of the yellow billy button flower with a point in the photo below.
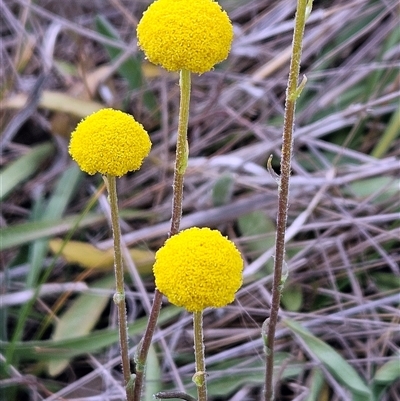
(185, 34)
(198, 268)
(109, 142)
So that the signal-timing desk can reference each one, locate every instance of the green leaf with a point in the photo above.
(387, 140)
(223, 189)
(26, 232)
(382, 187)
(79, 319)
(20, 170)
(131, 69)
(20, 234)
(292, 297)
(386, 281)
(258, 225)
(385, 376)
(23, 233)
(54, 209)
(63, 193)
(152, 376)
(316, 385)
(389, 372)
(67, 348)
(238, 373)
(334, 362)
(228, 376)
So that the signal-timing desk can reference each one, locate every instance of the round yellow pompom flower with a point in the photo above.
(198, 268)
(109, 142)
(185, 34)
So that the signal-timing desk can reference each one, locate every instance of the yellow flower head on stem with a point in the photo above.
(198, 268)
(109, 142)
(191, 35)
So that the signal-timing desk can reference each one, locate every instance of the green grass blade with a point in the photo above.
(258, 225)
(389, 372)
(152, 376)
(21, 169)
(223, 189)
(385, 376)
(131, 69)
(389, 137)
(55, 208)
(47, 350)
(240, 372)
(38, 249)
(335, 363)
(79, 319)
(316, 385)
(26, 232)
(63, 193)
(23, 233)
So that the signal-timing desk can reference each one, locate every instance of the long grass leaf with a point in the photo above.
(79, 319)
(47, 350)
(336, 364)
(131, 69)
(21, 169)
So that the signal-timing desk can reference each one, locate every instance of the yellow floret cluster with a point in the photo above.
(185, 34)
(198, 268)
(109, 142)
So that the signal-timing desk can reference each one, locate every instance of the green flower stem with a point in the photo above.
(119, 296)
(199, 377)
(292, 92)
(167, 395)
(182, 153)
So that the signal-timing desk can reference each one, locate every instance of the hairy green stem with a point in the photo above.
(292, 93)
(167, 395)
(199, 377)
(182, 153)
(119, 296)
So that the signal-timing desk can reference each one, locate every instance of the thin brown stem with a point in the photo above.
(179, 172)
(119, 296)
(143, 348)
(292, 93)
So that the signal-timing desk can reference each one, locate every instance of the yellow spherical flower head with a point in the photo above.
(185, 34)
(198, 268)
(109, 142)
